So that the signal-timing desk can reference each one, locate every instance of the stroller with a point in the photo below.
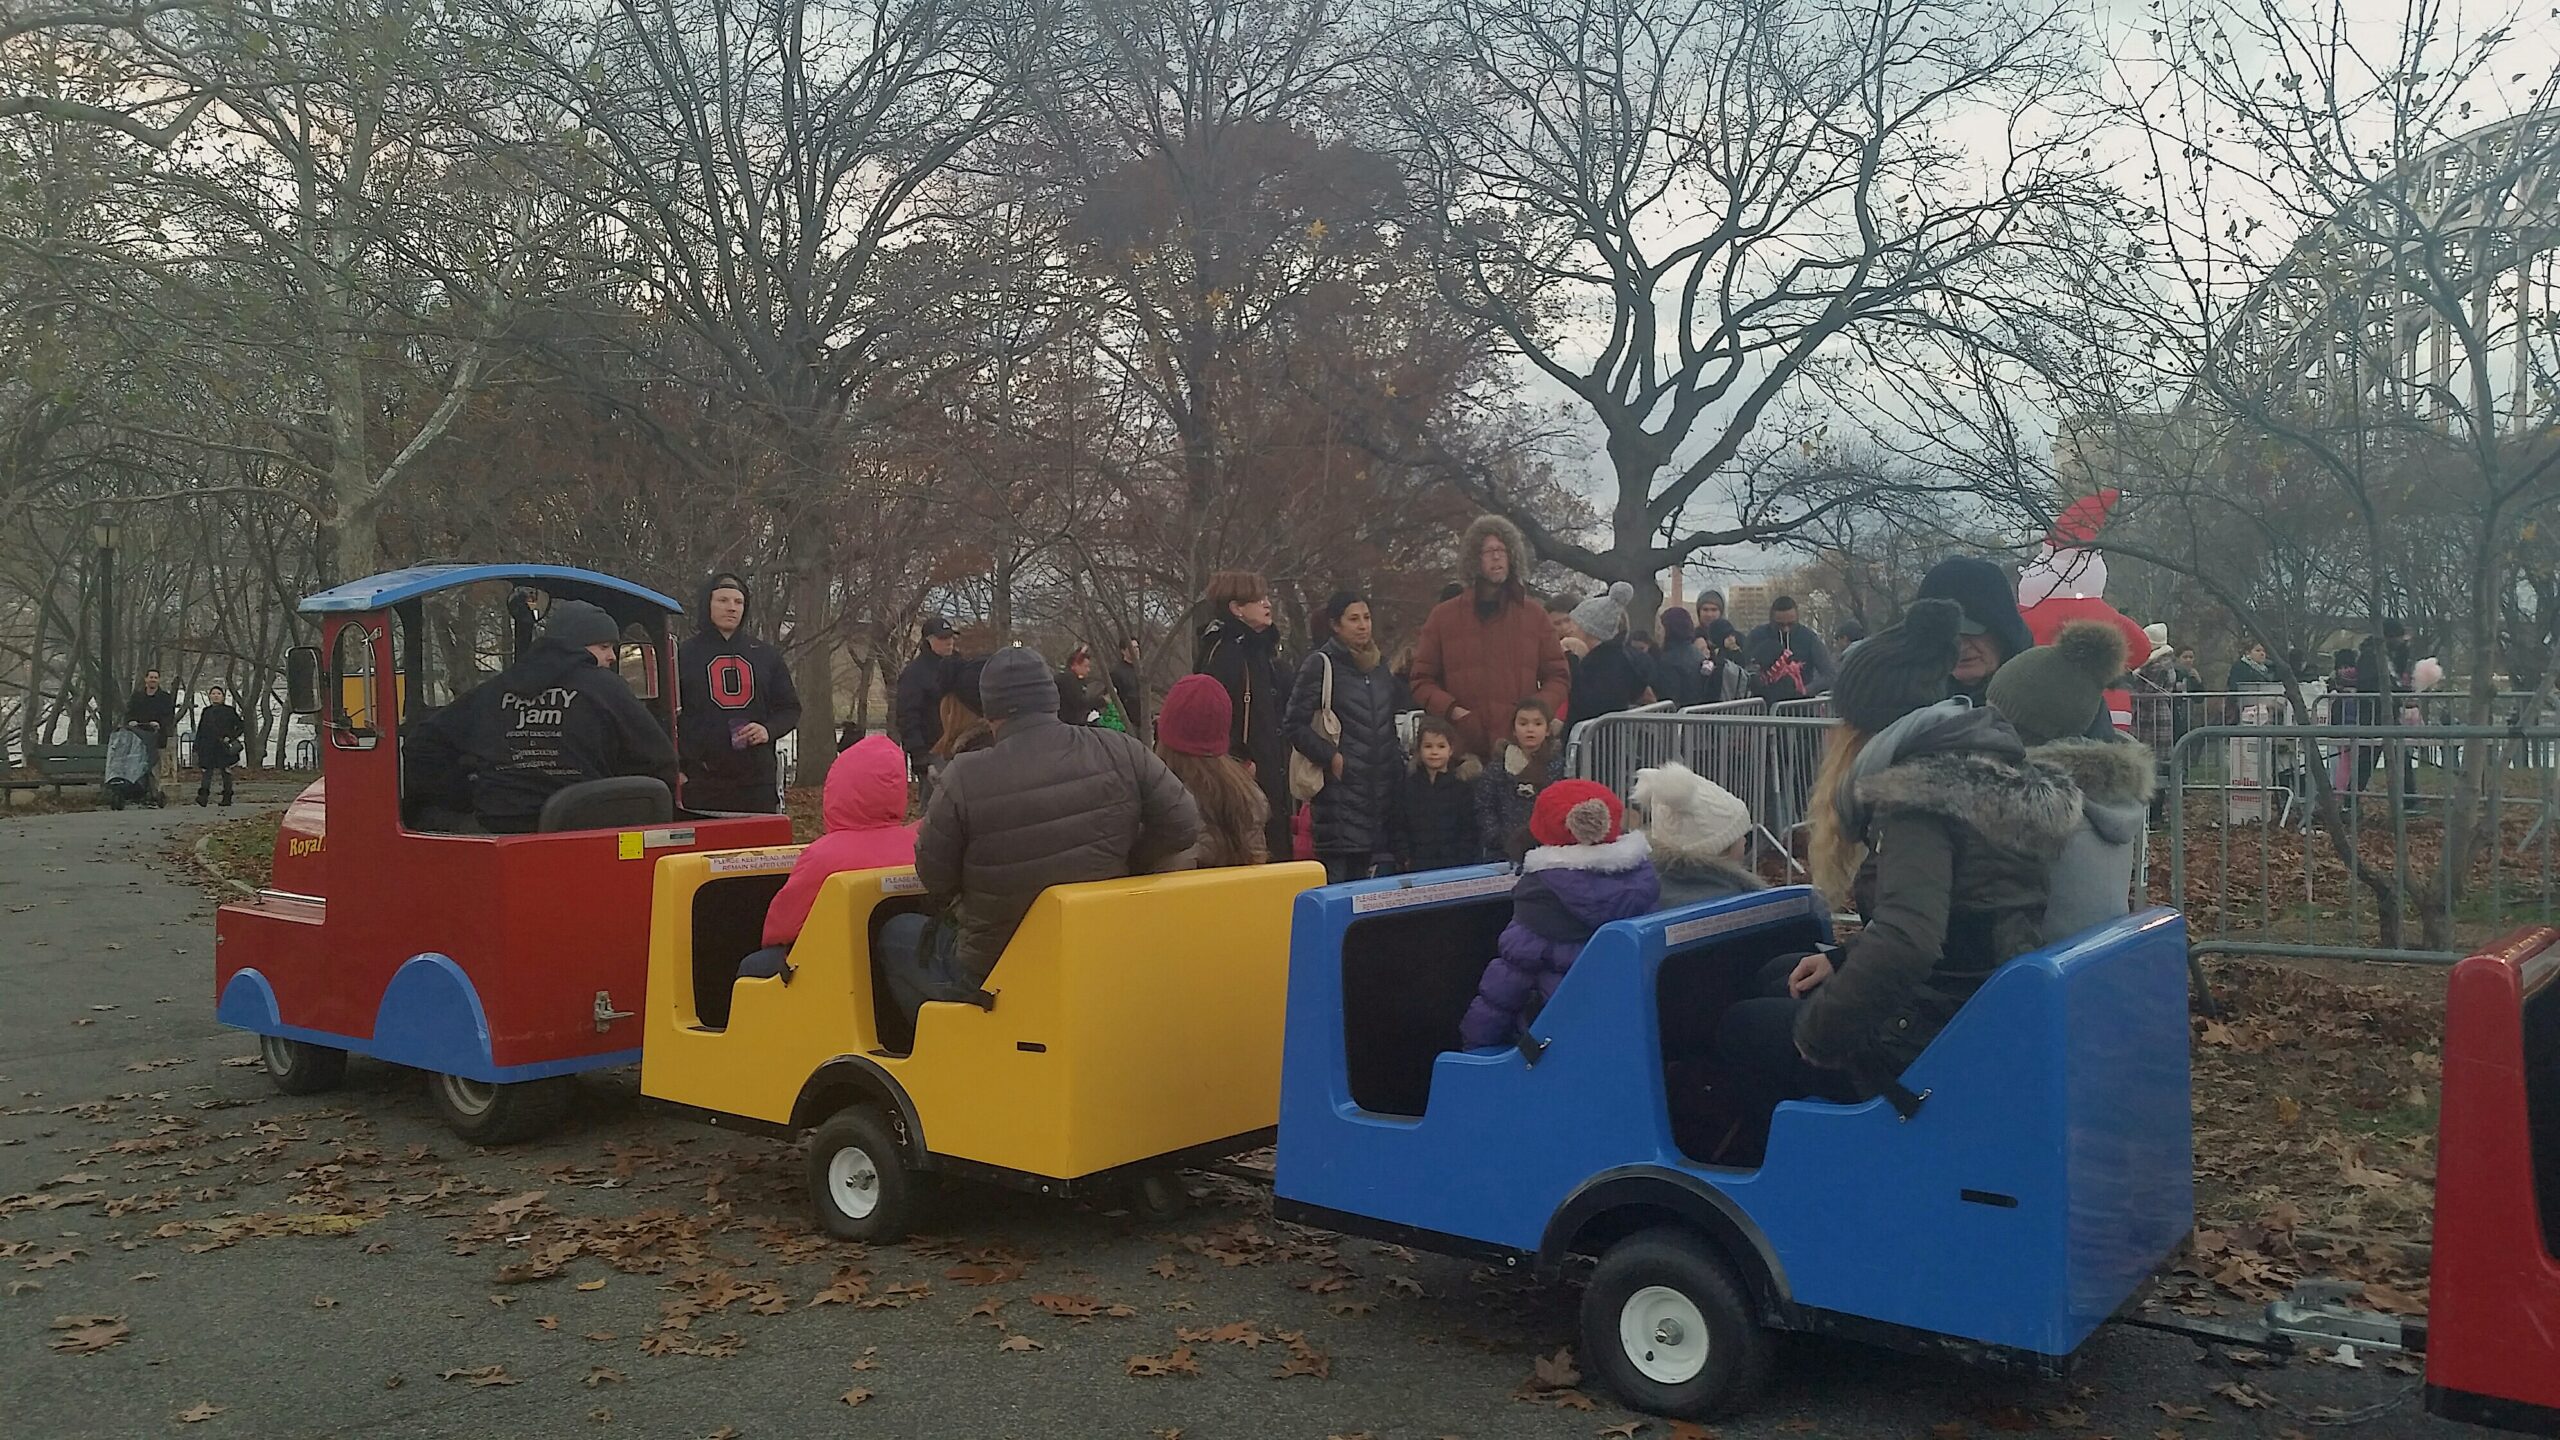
(130, 777)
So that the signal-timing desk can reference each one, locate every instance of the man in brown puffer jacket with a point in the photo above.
(1048, 804)
(1484, 650)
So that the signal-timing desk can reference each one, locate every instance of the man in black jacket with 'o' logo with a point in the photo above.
(736, 701)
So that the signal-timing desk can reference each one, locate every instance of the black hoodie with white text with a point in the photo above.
(549, 721)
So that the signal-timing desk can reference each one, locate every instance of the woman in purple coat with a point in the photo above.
(1583, 874)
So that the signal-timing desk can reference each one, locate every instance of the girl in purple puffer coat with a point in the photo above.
(1583, 874)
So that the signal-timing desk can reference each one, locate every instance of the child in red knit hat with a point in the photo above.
(1191, 739)
(1586, 871)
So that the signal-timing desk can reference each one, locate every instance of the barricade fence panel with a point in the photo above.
(2359, 841)
(2304, 840)
(1767, 761)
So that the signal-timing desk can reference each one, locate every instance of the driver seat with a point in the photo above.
(615, 803)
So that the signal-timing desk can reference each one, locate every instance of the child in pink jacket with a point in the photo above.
(866, 813)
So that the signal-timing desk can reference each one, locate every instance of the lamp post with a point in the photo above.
(103, 536)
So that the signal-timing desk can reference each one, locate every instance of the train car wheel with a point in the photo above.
(858, 1177)
(297, 1068)
(492, 1114)
(1672, 1330)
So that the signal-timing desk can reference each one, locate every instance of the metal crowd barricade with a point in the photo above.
(1767, 761)
(2366, 881)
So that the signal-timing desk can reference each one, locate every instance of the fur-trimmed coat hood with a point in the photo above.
(2006, 802)
(1471, 550)
(2092, 875)
(2115, 779)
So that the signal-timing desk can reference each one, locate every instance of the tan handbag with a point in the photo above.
(1306, 777)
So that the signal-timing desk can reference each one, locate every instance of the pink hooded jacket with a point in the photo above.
(866, 811)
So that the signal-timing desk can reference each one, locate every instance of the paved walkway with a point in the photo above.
(342, 1266)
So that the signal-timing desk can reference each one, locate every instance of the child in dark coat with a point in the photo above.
(1528, 762)
(1583, 874)
(1432, 823)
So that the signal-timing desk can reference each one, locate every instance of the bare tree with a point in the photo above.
(778, 175)
(1687, 214)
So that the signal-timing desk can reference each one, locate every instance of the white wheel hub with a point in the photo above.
(1664, 1335)
(468, 1097)
(277, 1052)
(854, 1182)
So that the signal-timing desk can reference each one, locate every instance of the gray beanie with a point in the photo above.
(1603, 616)
(577, 623)
(1017, 682)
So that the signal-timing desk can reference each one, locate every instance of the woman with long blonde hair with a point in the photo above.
(1929, 819)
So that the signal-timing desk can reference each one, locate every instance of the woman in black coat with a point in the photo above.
(1361, 767)
(1239, 649)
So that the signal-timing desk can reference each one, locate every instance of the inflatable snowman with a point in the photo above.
(2067, 581)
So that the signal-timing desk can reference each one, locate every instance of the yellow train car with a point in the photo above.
(1131, 1026)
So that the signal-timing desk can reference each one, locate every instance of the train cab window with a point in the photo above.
(1407, 977)
(352, 694)
(728, 925)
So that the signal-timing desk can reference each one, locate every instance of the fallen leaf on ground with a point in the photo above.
(1018, 1343)
(1180, 1362)
(1621, 1432)
(1555, 1372)
(591, 1284)
(480, 1377)
(201, 1410)
(2247, 1397)
(856, 1396)
(1241, 1332)
(604, 1375)
(89, 1334)
(1072, 1307)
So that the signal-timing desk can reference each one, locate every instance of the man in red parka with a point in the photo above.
(1485, 650)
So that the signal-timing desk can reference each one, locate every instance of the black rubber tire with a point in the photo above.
(299, 1068)
(500, 1114)
(1739, 1350)
(875, 1166)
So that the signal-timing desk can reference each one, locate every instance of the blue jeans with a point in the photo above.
(917, 965)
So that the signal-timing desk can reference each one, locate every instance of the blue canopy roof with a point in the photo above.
(393, 587)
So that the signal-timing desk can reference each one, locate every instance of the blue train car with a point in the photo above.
(2044, 1176)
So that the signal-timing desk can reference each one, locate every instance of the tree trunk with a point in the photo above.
(813, 672)
(351, 542)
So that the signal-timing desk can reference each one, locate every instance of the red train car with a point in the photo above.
(2493, 1332)
(500, 965)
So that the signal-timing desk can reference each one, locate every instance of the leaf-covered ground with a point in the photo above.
(2315, 1110)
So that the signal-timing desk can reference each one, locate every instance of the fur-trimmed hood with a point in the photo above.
(2108, 772)
(1471, 550)
(2017, 806)
(1622, 854)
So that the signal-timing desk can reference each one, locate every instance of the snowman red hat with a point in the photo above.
(2067, 581)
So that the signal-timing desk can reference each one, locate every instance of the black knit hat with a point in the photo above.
(1990, 603)
(1900, 668)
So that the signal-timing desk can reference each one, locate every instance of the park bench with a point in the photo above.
(58, 766)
